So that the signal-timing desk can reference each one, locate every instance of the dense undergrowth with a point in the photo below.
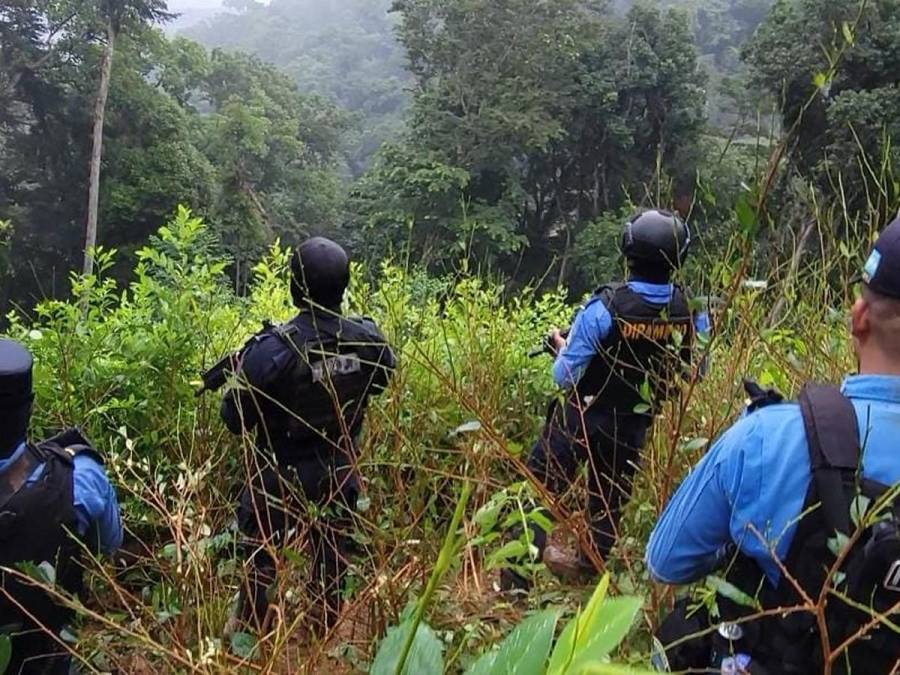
(463, 409)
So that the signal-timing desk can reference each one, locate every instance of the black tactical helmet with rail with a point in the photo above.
(655, 243)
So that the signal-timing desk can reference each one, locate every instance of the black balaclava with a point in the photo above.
(650, 271)
(16, 395)
(320, 273)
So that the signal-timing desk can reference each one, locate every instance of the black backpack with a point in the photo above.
(860, 543)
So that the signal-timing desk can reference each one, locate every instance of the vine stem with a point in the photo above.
(445, 558)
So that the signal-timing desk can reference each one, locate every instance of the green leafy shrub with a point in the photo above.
(465, 405)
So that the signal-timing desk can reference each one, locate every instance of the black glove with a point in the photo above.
(759, 397)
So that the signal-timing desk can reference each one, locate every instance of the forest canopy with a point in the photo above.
(515, 135)
(359, 127)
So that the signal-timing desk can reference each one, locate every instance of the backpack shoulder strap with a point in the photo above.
(608, 294)
(832, 433)
(70, 443)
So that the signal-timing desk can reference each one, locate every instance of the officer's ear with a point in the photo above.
(861, 321)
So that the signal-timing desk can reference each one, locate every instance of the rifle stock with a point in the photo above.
(216, 377)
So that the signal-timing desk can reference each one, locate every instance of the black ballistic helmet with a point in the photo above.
(16, 394)
(656, 238)
(320, 272)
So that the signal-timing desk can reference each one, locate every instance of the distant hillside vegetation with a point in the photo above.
(342, 49)
(721, 29)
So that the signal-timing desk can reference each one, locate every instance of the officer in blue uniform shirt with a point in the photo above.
(304, 388)
(55, 499)
(625, 349)
(748, 492)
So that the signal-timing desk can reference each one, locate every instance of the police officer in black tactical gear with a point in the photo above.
(55, 501)
(626, 347)
(303, 389)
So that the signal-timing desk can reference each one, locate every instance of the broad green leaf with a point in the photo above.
(425, 657)
(564, 651)
(5, 653)
(858, 508)
(512, 549)
(838, 543)
(695, 444)
(645, 391)
(243, 645)
(524, 651)
(48, 572)
(32, 571)
(593, 607)
(607, 627)
(486, 517)
(540, 519)
(732, 592)
(566, 647)
(746, 216)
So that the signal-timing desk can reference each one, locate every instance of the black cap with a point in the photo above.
(882, 271)
(320, 271)
(15, 375)
(16, 394)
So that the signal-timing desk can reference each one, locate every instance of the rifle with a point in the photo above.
(216, 377)
(223, 369)
(546, 346)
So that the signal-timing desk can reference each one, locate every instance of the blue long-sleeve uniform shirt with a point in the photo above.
(593, 324)
(758, 473)
(96, 506)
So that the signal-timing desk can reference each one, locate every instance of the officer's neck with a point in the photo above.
(876, 362)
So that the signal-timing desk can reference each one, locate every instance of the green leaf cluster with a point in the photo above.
(584, 646)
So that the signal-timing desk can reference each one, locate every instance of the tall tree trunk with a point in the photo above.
(90, 237)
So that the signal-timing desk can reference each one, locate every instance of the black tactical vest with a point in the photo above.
(319, 400)
(640, 357)
(38, 525)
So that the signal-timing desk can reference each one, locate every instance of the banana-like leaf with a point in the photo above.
(425, 657)
(524, 651)
(595, 631)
